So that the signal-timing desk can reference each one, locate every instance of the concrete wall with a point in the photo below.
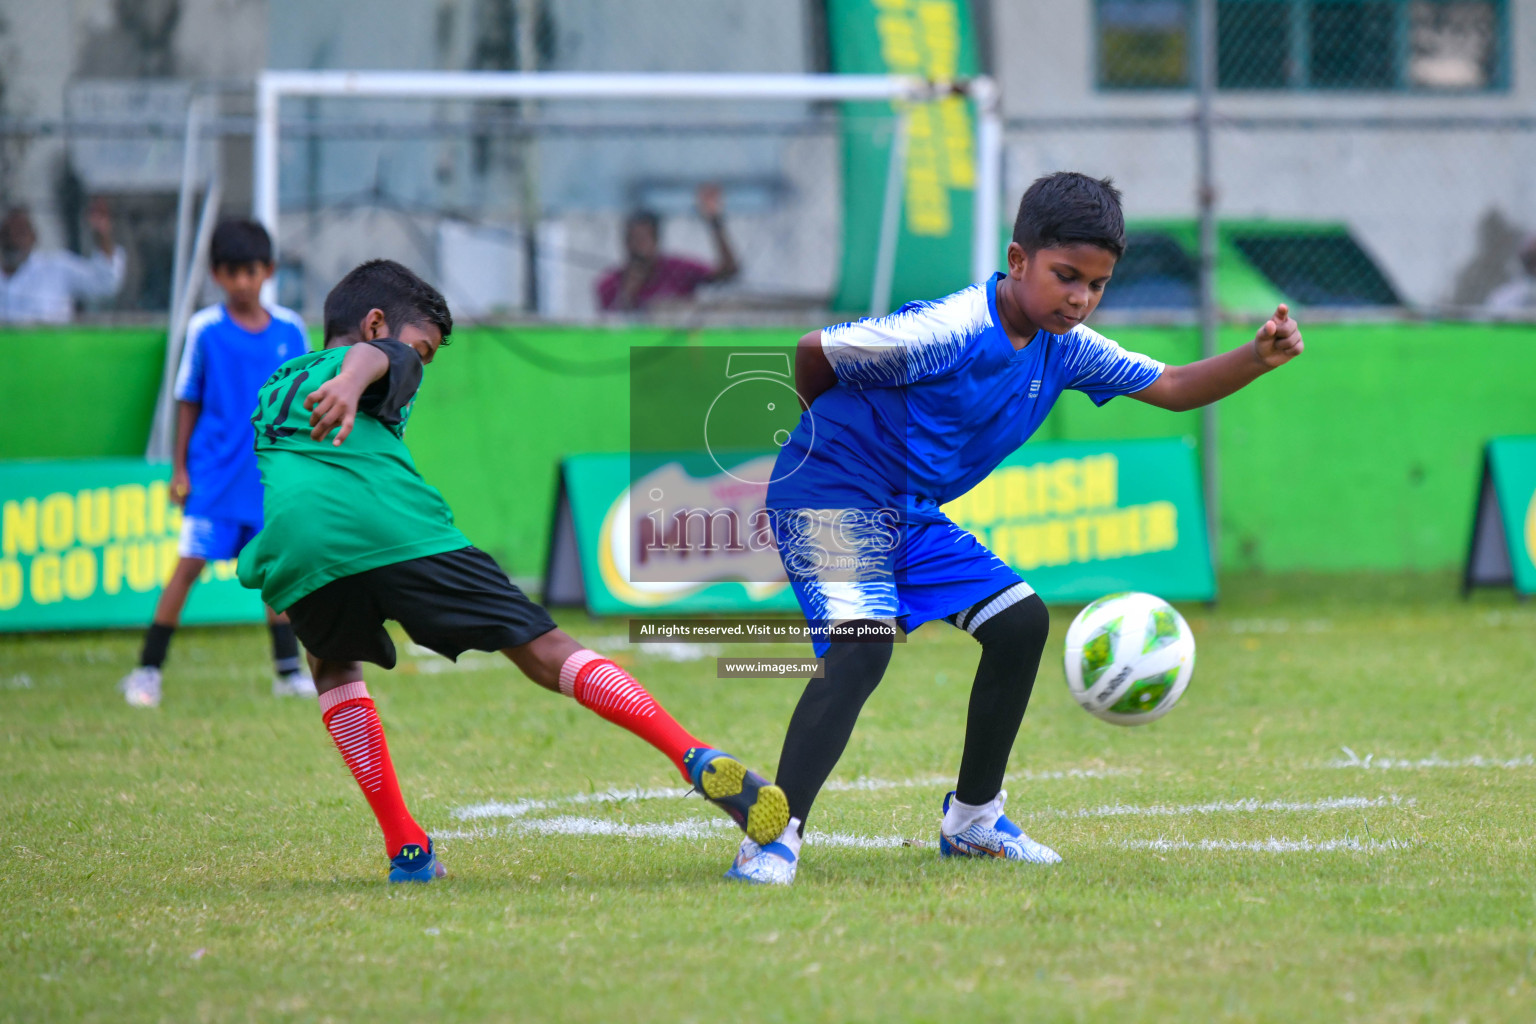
(54, 54)
(1441, 210)
(1419, 200)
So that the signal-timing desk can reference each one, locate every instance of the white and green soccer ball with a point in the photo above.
(1129, 658)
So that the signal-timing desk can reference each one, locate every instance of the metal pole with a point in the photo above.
(527, 157)
(163, 426)
(890, 217)
(555, 85)
(1210, 313)
(989, 174)
(163, 433)
(264, 167)
(185, 198)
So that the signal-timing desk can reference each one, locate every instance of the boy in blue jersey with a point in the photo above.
(231, 349)
(909, 411)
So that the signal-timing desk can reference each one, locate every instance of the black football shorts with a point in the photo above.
(453, 602)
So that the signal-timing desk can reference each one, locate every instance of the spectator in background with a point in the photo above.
(1519, 295)
(230, 351)
(41, 287)
(649, 276)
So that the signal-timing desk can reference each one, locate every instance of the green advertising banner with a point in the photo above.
(1083, 519)
(598, 540)
(931, 39)
(87, 543)
(1078, 519)
(1503, 547)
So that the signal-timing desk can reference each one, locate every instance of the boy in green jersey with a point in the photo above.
(355, 536)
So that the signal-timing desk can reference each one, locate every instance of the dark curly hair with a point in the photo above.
(1068, 208)
(239, 243)
(385, 285)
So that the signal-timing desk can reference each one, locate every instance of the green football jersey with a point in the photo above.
(333, 511)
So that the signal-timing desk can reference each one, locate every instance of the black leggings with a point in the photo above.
(1012, 641)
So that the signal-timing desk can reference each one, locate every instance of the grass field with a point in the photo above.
(212, 860)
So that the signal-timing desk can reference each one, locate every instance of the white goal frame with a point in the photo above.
(273, 86)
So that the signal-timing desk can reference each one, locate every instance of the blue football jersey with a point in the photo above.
(931, 398)
(223, 367)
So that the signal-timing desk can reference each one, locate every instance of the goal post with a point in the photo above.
(273, 86)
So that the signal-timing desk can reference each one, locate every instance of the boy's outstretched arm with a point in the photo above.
(1181, 388)
(334, 403)
(813, 370)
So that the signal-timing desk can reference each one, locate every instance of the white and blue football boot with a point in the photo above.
(297, 683)
(141, 687)
(770, 864)
(991, 834)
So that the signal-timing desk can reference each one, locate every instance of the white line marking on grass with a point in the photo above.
(1369, 761)
(815, 838)
(697, 828)
(1266, 845)
(518, 823)
(465, 833)
(865, 785)
(521, 808)
(568, 825)
(675, 651)
(1249, 806)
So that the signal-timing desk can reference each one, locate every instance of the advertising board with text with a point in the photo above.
(87, 543)
(1077, 519)
(1081, 519)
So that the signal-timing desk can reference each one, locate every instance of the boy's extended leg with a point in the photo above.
(558, 662)
(823, 720)
(818, 733)
(353, 722)
(141, 687)
(1011, 627)
(460, 601)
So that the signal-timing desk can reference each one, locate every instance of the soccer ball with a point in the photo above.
(1129, 658)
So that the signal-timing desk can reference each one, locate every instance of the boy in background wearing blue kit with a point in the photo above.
(230, 351)
(908, 412)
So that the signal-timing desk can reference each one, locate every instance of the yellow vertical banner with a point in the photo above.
(930, 39)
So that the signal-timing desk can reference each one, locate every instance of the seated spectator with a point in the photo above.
(1519, 295)
(41, 287)
(649, 276)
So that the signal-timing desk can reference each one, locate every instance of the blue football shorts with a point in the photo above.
(849, 564)
(214, 539)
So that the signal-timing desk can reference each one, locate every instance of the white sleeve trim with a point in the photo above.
(919, 340)
(1102, 365)
(200, 322)
(289, 316)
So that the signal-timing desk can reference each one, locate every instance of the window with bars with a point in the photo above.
(1338, 45)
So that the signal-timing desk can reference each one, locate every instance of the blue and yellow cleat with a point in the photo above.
(754, 803)
(413, 864)
(773, 864)
(995, 836)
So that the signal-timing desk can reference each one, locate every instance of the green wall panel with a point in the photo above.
(78, 393)
(1363, 454)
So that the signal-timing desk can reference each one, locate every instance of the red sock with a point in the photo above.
(599, 684)
(353, 723)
